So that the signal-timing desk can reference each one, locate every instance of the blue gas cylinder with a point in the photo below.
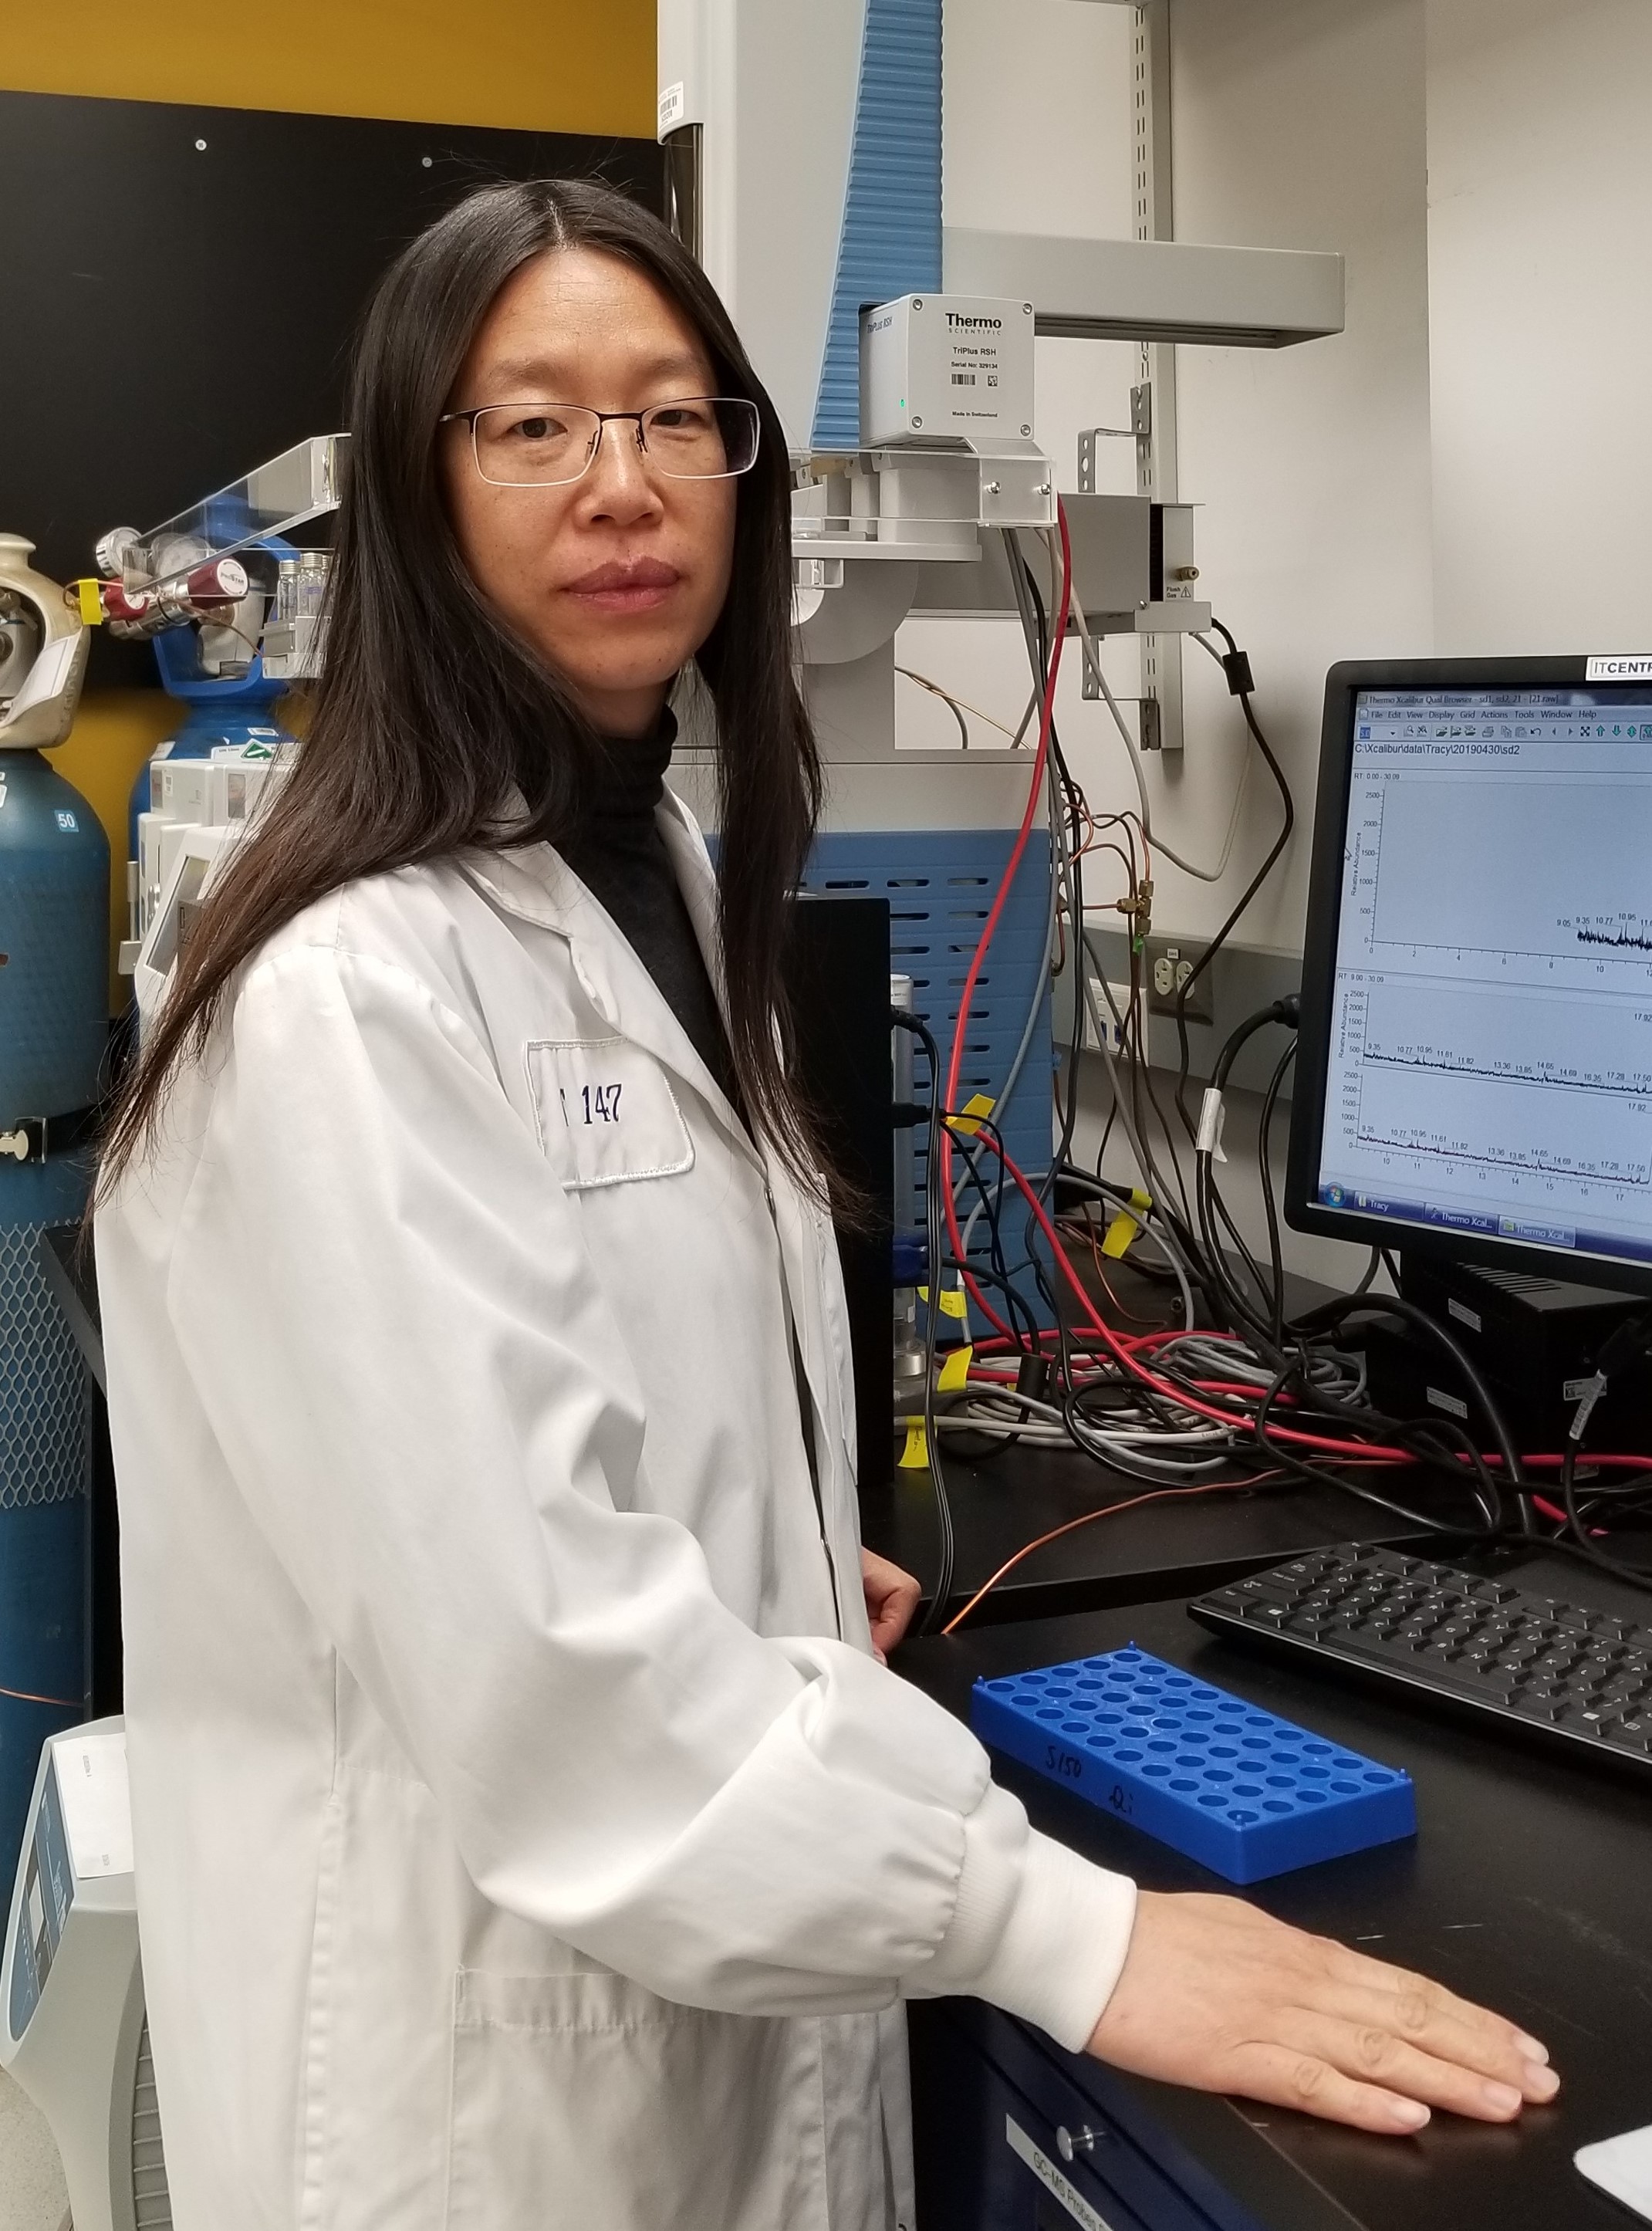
(54, 1032)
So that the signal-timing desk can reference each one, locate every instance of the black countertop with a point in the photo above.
(1528, 1888)
(1121, 1554)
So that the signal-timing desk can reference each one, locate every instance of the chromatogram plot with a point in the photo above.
(1560, 1089)
(1517, 864)
(1518, 1038)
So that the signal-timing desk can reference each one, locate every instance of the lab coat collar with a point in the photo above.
(699, 883)
(535, 885)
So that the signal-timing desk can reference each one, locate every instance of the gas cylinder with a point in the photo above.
(54, 1034)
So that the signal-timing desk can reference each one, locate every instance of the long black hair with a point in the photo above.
(431, 712)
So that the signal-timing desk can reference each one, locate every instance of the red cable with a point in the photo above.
(1035, 793)
(1162, 1386)
(1554, 1464)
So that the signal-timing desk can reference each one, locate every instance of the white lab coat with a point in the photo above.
(518, 1845)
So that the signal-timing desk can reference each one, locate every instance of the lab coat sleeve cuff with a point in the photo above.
(1036, 1929)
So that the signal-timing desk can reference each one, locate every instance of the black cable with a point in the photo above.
(1367, 1276)
(1627, 1342)
(1069, 793)
(992, 1209)
(948, 1549)
(1236, 666)
(1238, 1311)
(1265, 1171)
(1338, 1313)
(1233, 1306)
(1322, 1475)
(1000, 1275)
(1582, 1546)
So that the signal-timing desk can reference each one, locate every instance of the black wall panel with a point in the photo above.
(178, 288)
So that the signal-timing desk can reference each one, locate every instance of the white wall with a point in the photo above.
(1301, 124)
(1467, 469)
(1037, 137)
(1464, 468)
(1540, 186)
(1036, 132)
(1298, 124)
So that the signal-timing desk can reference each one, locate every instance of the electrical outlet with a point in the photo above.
(1171, 962)
(1105, 1008)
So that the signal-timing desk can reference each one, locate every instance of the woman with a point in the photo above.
(526, 1832)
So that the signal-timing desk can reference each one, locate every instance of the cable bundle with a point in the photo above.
(1238, 1397)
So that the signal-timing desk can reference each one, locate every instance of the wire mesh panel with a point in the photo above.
(43, 1382)
(45, 1467)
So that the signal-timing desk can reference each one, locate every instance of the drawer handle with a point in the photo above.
(1069, 2143)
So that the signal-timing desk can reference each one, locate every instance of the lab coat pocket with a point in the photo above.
(583, 2100)
(606, 1111)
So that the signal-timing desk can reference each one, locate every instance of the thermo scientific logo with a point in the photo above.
(974, 325)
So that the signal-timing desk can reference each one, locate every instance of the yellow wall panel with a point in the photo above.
(557, 67)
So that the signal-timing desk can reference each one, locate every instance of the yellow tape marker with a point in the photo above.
(915, 1456)
(1123, 1229)
(976, 1106)
(91, 603)
(954, 1302)
(955, 1371)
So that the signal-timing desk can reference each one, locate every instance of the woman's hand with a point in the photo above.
(1216, 1995)
(891, 1599)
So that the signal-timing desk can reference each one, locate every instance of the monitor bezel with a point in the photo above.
(1303, 1211)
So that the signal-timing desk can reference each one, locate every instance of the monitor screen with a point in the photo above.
(1486, 1054)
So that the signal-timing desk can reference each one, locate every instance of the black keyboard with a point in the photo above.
(1557, 1669)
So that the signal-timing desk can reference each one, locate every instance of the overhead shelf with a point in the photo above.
(1152, 290)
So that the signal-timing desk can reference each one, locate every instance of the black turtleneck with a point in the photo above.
(620, 855)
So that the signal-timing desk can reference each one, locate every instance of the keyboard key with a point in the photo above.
(1558, 1666)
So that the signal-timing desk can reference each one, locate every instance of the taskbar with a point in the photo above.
(1524, 1231)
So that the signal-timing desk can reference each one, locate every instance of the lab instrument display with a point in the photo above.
(1474, 1078)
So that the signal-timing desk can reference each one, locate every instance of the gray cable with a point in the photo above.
(1062, 869)
(1033, 1010)
(1030, 1026)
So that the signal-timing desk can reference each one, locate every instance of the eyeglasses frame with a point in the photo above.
(602, 418)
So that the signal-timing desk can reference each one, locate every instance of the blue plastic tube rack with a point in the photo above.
(1246, 1794)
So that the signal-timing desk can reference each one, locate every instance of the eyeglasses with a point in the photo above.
(697, 437)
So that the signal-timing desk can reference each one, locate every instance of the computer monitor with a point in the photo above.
(1475, 1054)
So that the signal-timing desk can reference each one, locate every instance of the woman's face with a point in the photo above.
(615, 578)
